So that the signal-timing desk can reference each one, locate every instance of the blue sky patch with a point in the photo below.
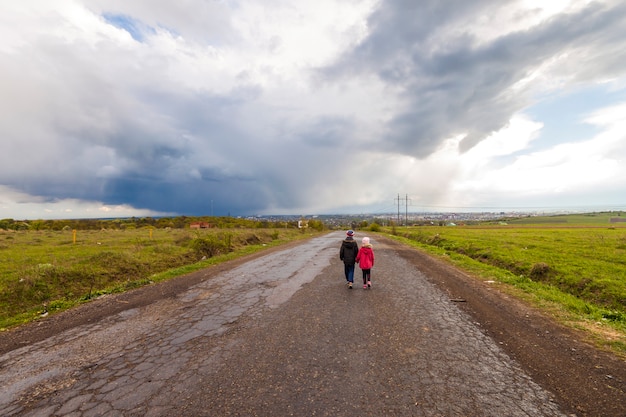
(134, 27)
(563, 114)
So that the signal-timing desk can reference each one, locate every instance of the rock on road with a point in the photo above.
(278, 335)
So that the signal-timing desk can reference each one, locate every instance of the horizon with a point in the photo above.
(392, 215)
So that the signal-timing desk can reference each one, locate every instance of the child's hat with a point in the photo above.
(366, 240)
(350, 232)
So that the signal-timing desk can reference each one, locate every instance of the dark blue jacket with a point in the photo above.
(349, 250)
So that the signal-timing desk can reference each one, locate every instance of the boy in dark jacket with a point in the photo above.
(348, 252)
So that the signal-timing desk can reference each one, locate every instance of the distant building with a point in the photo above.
(200, 225)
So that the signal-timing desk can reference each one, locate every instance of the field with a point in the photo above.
(44, 271)
(571, 266)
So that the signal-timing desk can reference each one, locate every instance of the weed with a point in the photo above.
(540, 271)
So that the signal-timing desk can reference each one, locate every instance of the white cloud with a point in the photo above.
(569, 168)
(20, 206)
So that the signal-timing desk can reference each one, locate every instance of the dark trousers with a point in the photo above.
(349, 271)
(366, 275)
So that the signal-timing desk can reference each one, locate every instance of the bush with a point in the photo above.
(539, 271)
(209, 246)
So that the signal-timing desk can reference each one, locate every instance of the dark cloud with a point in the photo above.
(328, 131)
(223, 197)
(459, 85)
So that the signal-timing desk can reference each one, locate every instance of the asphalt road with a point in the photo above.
(279, 335)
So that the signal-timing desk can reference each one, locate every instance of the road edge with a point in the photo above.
(583, 379)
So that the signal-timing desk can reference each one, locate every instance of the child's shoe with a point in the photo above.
(349, 285)
(364, 286)
(369, 284)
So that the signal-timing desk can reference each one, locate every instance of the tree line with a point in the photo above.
(180, 222)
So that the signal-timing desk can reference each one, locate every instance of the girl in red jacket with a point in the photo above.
(365, 259)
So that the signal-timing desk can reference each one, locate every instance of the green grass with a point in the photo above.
(584, 219)
(577, 273)
(50, 271)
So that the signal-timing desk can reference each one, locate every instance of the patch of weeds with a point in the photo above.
(540, 271)
(614, 316)
(59, 305)
(183, 240)
(252, 239)
(618, 346)
(115, 265)
(209, 246)
(137, 283)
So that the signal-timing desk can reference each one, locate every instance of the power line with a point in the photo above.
(406, 208)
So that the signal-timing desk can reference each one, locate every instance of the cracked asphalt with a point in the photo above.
(278, 335)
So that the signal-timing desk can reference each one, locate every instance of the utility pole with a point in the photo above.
(398, 199)
(406, 208)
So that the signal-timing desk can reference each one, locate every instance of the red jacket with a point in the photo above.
(365, 257)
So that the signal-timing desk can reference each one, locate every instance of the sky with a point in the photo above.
(119, 108)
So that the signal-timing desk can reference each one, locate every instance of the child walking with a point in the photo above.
(365, 259)
(348, 253)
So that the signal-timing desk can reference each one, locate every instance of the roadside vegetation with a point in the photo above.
(573, 267)
(49, 266)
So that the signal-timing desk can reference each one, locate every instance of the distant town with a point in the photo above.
(328, 221)
(434, 218)
(404, 219)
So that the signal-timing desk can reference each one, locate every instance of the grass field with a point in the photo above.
(46, 271)
(572, 266)
(602, 219)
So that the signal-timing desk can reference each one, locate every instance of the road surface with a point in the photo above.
(279, 335)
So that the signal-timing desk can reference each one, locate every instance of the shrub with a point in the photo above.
(539, 271)
(210, 246)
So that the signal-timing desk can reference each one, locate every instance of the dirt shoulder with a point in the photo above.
(583, 379)
(587, 381)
